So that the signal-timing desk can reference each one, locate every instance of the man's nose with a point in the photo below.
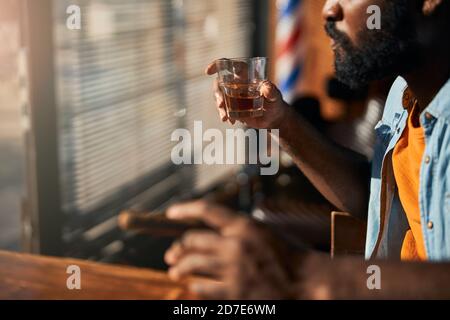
(332, 11)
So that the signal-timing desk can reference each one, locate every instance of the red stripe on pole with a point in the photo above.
(291, 42)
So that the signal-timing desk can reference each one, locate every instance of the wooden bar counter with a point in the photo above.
(25, 276)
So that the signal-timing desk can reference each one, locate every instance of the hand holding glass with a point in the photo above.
(240, 80)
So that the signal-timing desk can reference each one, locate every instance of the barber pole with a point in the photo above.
(288, 48)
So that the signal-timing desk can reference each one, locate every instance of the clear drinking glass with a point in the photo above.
(240, 80)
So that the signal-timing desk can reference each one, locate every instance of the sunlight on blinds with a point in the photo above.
(214, 29)
(117, 98)
(124, 77)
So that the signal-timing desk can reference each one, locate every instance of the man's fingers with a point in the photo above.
(201, 241)
(221, 107)
(174, 253)
(270, 91)
(222, 114)
(211, 68)
(206, 241)
(220, 102)
(219, 97)
(213, 215)
(212, 290)
(196, 264)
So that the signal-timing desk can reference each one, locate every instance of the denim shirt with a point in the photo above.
(387, 223)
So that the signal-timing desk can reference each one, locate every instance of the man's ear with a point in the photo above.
(430, 6)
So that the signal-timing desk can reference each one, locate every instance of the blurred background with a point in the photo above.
(86, 117)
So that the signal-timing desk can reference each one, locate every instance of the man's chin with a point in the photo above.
(353, 82)
(347, 73)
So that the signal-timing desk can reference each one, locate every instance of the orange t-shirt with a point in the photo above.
(407, 160)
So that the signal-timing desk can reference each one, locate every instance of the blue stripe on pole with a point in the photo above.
(289, 8)
(290, 82)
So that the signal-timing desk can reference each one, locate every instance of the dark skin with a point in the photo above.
(437, 69)
(248, 262)
(347, 14)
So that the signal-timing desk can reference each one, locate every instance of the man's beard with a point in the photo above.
(389, 51)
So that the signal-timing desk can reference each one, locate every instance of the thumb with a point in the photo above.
(270, 92)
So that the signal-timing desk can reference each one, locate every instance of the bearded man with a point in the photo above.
(407, 202)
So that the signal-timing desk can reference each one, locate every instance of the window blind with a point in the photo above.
(130, 77)
(213, 29)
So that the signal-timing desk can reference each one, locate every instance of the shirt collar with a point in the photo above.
(440, 105)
